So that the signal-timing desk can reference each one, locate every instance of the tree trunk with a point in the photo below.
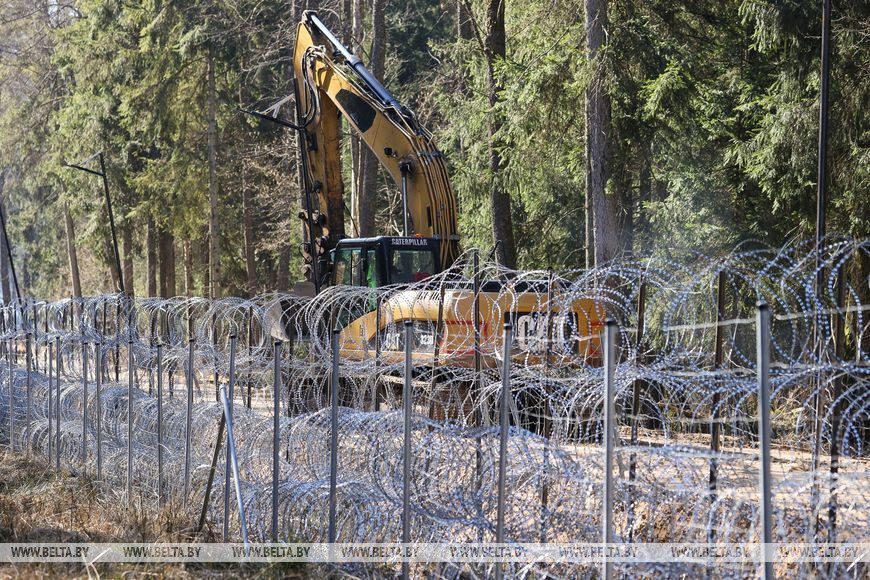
(282, 276)
(464, 25)
(464, 32)
(4, 256)
(166, 248)
(203, 245)
(110, 258)
(589, 226)
(502, 223)
(247, 218)
(597, 128)
(368, 191)
(151, 258)
(214, 249)
(628, 216)
(356, 146)
(127, 239)
(347, 23)
(348, 29)
(71, 252)
(644, 192)
(188, 268)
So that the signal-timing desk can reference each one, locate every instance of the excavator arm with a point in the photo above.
(330, 80)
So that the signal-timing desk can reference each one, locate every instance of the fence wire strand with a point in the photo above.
(670, 392)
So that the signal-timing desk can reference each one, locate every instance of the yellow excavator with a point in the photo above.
(331, 82)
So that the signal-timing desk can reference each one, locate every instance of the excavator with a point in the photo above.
(331, 82)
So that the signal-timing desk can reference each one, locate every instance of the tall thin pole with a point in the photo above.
(98, 375)
(57, 405)
(821, 185)
(234, 463)
(9, 255)
(715, 426)
(635, 404)
(11, 397)
(821, 230)
(609, 439)
(210, 479)
(333, 437)
(276, 434)
(112, 224)
(102, 174)
(478, 364)
(28, 362)
(762, 325)
(84, 406)
(130, 375)
(836, 411)
(50, 366)
(503, 440)
(188, 421)
(160, 497)
(229, 415)
(407, 404)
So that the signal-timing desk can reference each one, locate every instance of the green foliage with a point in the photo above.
(713, 140)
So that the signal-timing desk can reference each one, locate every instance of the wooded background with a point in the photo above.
(575, 131)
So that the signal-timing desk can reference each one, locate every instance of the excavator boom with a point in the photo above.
(331, 81)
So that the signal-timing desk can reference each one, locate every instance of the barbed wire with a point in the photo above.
(686, 363)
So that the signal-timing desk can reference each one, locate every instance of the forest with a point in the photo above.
(575, 132)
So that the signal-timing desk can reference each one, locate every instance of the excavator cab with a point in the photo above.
(385, 260)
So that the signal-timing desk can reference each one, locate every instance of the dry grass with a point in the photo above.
(38, 506)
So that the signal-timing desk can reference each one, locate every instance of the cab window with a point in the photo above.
(347, 266)
(370, 277)
(407, 266)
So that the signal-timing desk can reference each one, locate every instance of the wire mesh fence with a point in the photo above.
(127, 392)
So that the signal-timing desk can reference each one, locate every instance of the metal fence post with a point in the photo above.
(609, 432)
(28, 355)
(637, 387)
(11, 398)
(503, 438)
(98, 375)
(130, 420)
(49, 365)
(546, 422)
(160, 491)
(762, 325)
(407, 407)
(234, 463)
(249, 376)
(84, 406)
(35, 325)
(117, 343)
(57, 405)
(715, 426)
(210, 479)
(333, 436)
(376, 400)
(483, 412)
(229, 412)
(837, 406)
(290, 351)
(188, 421)
(47, 338)
(276, 433)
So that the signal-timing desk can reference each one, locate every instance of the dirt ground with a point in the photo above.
(37, 506)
